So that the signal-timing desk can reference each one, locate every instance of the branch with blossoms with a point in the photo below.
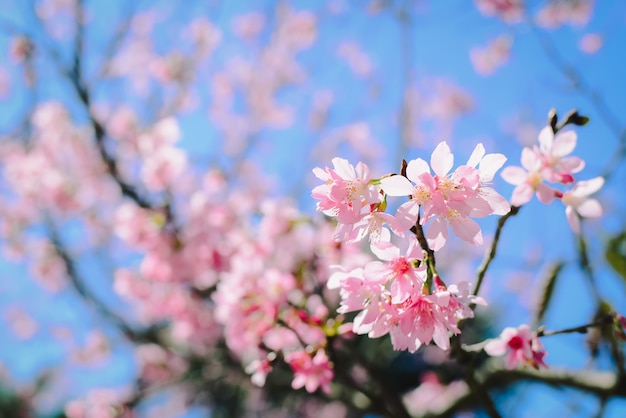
(401, 294)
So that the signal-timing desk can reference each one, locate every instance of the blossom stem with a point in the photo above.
(605, 320)
(491, 253)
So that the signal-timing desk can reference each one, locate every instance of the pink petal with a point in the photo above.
(546, 139)
(437, 234)
(385, 250)
(498, 204)
(590, 209)
(588, 187)
(564, 143)
(406, 215)
(441, 338)
(572, 219)
(514, 175)
(467, 229)
(522, 194)
(545, 194)
(530, 160)
(496, 347)
(571, 164)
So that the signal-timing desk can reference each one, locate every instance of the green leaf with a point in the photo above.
(616, 254)
(548, 284)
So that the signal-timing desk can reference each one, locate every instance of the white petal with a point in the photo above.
(442, 159)
(477, 155)
(416, 168)
(590, 209)
(396, 186)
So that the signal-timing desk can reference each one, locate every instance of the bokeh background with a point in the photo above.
(265, 91)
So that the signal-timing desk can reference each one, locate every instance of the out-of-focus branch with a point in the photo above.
(605, 385)
(145, 335)
(74, 76)
(114, 44)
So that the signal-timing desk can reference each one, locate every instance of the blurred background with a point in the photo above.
(103, 103)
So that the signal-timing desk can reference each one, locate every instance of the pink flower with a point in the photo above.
(163, 167)
(400, 271)
(590, 43)
(259, 369)
(487, 164)
(557, 167)
(392, 300)
(511, 11)
(346, 192)
(520, 345)
(528, 179)
(448, 198)
(371, 225)
(560, 12)
(577, 202)
(310, 373)
(487, 59)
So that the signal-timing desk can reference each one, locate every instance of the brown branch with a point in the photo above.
(491, 253)
(145, 335)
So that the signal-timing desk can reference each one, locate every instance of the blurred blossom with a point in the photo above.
(432, 396)
(356, 59)
(561, 12)
(48, 268)
(510, 11)
(21, 323)
(20, 49)
(96, 348)
(249, 25)
(487, 59)
(158, 365)
(174, 67)
(590, 43)
(205, 36)
(100, 403)
(5, 83)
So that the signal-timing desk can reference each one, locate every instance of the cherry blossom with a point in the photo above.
(590, 43)
(577, 202)
(519, 345)
(557, 167)
(346, 192)
(511, 11)
(310, 372)
(487, 59)
(528, 179)
(447, 198)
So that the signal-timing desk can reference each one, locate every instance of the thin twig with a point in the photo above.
(491, 253)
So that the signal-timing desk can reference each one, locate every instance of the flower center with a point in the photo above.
(516, 343)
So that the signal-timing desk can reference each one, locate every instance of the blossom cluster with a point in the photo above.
(549, 164)
(401, 294)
